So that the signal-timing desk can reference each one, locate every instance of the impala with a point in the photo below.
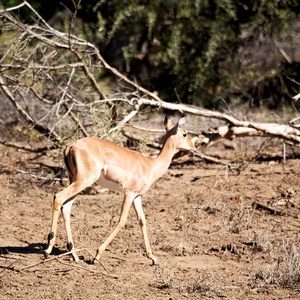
(91, 160)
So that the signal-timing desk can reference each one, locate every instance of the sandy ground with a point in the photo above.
(208, 238)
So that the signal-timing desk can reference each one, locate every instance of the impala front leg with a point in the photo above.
(128, 198)
(137, 204)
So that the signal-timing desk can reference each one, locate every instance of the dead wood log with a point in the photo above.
(267, 208)
(287, 132)
(235, 127)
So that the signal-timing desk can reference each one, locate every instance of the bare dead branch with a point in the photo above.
(41, 177)
(14, 7)
(76, 120)
(138, 138)
(47, 260)
(22, 147)
(94, 257)
(43, 99)
(146, 129)
(273, 211)
(9, 267)
(116, 73)
(124, 121)
(90, 76)
(43, 130)
(297, 97)
(209, 158)
(262, 129)
(87, 269)
(42, 67)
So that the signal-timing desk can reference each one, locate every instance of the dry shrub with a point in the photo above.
(264, 240)
(285, 272)
(203, 283)
(233, 220)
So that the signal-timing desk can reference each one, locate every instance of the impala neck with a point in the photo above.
(164, 158)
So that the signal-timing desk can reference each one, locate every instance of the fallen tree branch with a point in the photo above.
(41, 177)
(47, 260)
(94, 257)
(9, 267)
(287, 132)
(25, 148)
(262, 129)
(57, 258)
(194, 110)
(42, 67)
(257, 205)
(138, 138)
(43, 130)
(146, 129)
(209, 158)
(124, 121)
(87, 269)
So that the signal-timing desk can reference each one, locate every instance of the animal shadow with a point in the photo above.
(35, 248)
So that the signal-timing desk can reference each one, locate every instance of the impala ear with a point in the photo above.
(168, 123)
(181, 120)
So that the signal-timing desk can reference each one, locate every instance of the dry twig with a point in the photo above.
(57, 258)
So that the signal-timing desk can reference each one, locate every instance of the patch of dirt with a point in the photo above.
(211, 242)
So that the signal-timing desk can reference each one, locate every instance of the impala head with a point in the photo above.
(178, 135)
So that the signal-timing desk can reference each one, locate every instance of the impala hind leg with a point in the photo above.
(137, 204)
(60, 199)
(66, 212)
(128, 198)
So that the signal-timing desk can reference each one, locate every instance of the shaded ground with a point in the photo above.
(209, 240)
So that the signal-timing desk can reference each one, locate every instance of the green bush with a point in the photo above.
(190, 46)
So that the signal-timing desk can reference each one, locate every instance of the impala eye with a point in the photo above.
(185, 135)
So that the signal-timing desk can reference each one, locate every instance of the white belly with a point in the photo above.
(108, 184)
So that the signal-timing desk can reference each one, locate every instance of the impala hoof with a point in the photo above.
(46, 254)
(155, 262)
(96, 259)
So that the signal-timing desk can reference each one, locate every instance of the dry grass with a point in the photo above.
(285, 271)
(202, 284)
